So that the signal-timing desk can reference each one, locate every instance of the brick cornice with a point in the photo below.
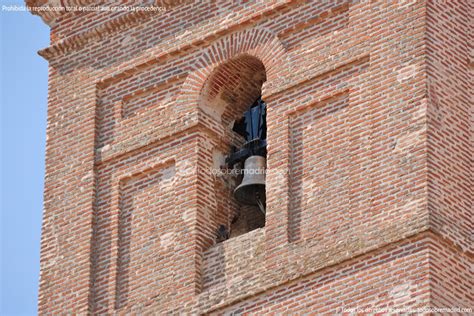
(96, 33)
(112, 26)
(43, 8)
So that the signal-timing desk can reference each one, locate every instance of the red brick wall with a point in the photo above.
(450, 120)
(369, 198)
(396, 276)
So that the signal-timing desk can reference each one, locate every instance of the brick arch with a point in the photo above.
(231, 87)
(230, 60)
(259, 43)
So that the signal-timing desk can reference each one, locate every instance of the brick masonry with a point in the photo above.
(370, 129)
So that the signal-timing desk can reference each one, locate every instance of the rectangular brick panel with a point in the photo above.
(146, 245)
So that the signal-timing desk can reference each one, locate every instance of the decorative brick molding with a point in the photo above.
(129, 200)
(368, 184)
(99, 32)
(257, 42)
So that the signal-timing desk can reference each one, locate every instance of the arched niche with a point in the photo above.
(229, 90)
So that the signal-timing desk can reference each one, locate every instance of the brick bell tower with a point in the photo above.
(368, 156)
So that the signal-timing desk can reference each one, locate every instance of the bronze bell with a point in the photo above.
(252, 189)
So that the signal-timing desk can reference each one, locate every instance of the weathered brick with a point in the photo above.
(369, 184)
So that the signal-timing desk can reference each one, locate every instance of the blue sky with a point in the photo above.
(24, 84)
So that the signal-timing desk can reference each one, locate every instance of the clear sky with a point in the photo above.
(24, 84)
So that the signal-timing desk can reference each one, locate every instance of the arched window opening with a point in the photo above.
(249, 160)
(253, 153)
(232, 96)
